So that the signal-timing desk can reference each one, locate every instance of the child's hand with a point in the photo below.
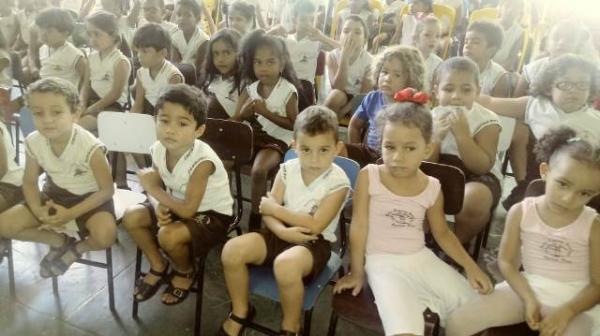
(556, 322)
(268, 205)
(163, 215)
(479, 280)
(297, 235)
(350, 281)
(58, 215)
(41, 212)
(149, 178)
(247, 109)
(259, 106)
(441, 126)
(460, 125)
(533, 314)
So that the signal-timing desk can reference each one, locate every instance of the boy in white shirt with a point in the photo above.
(189, 38)
(154, 11)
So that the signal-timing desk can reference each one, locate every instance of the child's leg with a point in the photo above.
(518, 151)
(175, 240)
(89, 122)
(3, 204)
(336, 100)
(265, 161)
(580, 325)
(248, 249)
(475, 212)
(102, 232)
(20, 224)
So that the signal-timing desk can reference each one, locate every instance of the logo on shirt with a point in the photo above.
(401, 218)
(557, 250)
(304, 59)
(79, 171)
(106, 77)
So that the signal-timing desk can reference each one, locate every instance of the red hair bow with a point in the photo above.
(411, 95)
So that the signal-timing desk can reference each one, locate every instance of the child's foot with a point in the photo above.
(3, 248)
(60, 264)
(53, 253)
(147, 286)
(235, 325)
(178, 288)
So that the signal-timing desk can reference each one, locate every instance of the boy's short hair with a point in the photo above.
(152, 35)
(57, 18)
(315, 120)
(491, 31)
(189, 97)
(192, 5)
(304, 7)
(459, 63)
(57, 86)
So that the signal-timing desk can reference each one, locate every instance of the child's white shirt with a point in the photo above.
(61, 62)
(356, 71)
(102, 73)
(217, 196)
(225, 94)
(14, 172)
(307, 198)
(431, 63)
(304, 54)
(153, 87)
(533, 69)
(70, 170)
(276, 103)
(511, 36)
(5, 75)
(489, 77)
(409, 26)
(188, 49)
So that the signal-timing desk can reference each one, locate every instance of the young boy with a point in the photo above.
(154, 12)
(152, 43)
(300, 215)
(189, 38)
(189, 221)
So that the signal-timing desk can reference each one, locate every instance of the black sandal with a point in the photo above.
(179, 293)
(58, 266)
(143, 290)
(53, 253)
(244, 322)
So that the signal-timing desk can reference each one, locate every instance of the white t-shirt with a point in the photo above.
(302, 198)
(223, 91)
(5, 75)
(488, 77)
(356, 71)
(14, 173)
(511, 36)
(189, 49)
(61, 62)
(102, 73)
(541, 115)
(304, 55)
(531, 70)
(217, 196)
(276, 103)
(153, 87)
(70, 170)
(431, 63)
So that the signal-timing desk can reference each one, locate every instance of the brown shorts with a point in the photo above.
(362, 154)
(11, 194)
(320, 250)
(262, 140)
(94, 97)
(215, 109)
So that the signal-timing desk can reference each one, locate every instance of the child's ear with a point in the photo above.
(544, 169)
(339, 147)
(200, 130)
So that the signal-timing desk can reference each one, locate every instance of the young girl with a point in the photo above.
(189, 38)
(359, 8)
(348, 68)
(511, 13)
(427, 40)
(272, 100)
(397, 68)
(109, 70)
(390, 205)
(222, 74)
(466, 136)
(76, 199)
(556, 238)
(240, 17)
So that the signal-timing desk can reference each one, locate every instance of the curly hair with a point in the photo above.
(231, 38)
(316, 120)
(542, 84)
(566, 140)
(57, 86)
(408, 114)
(413, 65)
(189, 97)
(59, 19)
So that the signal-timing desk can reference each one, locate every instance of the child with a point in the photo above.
(152, 44)
(272, 100)
(126, 22)
(397, 68)
(390, 206)
(349, 67)
(511, 13)
(154, 12)
(58, 57)
(555, 237)
(189, 38)
(241, 17)
(222, 74)
(9, 22)
(189, 221)
(76, 199)
(466, 136)
(301, 215)
(359, 8)
(482, 40)
(109, 70)
(427, 39)
(406, 25)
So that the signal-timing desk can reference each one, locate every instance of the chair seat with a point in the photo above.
(263, 283)
(125, 198)
(520, 329)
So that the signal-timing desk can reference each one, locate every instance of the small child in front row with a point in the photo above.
(556, 238)
(191, 186)
(390, 206)
(300, 214)
(76, 199)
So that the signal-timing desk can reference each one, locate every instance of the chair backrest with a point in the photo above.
(231, 140)
(452, 180)
(189, 73)
(26, 122)
(350, 167)
(538, 187)
(127, 132)
(484, 14)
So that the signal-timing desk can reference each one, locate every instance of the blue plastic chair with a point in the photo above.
(262, 279)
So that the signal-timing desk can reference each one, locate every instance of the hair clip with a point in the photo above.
(411, 95)
(573, 140)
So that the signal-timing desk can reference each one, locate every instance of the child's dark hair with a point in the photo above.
(565, 140)
(230, 37)
(542, 83)
(189, 97)
(106, 22)
(316, 120)
(413, 66)
(56, 86)
(191, 5)
(360, 20)
(245, 9)
(304, 7)
(407, 114)
(492, 32)
(461, 63)
(59, 19)
(152, 35)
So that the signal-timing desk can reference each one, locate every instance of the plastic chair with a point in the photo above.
(375, 5)
(262, 279)
(484, 14)
(361, 309)
(189, 73)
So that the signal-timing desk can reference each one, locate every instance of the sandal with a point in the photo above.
(53, 253)
(143, 290)
(244, 322)
(57, 266)
(179, 293)
(4, 243)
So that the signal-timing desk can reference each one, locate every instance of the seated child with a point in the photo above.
(188, 221)
(154, 12)
(76, 198)
(511, 13)
(152, 44)
(301, 215)
(427, 40)
(240, 16)
(555, 238)
(189, 38)
(391, 204)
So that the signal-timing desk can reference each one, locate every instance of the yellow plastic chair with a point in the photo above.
(340, 5)
(484, 14)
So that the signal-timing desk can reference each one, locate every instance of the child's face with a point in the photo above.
(239, 22)
(571, 91)
(561, 43)
(354, 30)
(570, 184)
(52, 115)
(402, 149)
(150, 57)
(476, 47)
(304, 22)
(428, 39)
(457, 88)
(267, 65)
(99, 39)
(316, 152)
(176, 128)
(186, 20)
(153, 12)
(52, 37)
(224, 57)
(391, 77)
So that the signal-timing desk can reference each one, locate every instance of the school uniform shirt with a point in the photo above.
(511, 36)
(304, 54)
(14, 173)
(217, 196)
(223, 90)
(431, 63)
(276, 103)
(531, 70)
(356, 71)
(102, 73)
(60, 62)
(170, 27)
(9, 27)
(71, 169)
(307, 198)
(5, 75)
(189, 49)
(153, 87)
(489, 77)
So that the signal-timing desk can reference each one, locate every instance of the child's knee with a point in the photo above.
(104, 237)
(169, 239)
(336, 98)
(235, 250)
(287, 269)
(133, 219)
(259, 172)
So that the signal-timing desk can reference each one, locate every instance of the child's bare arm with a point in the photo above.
(120, 81)
(82, 69)
(140, 93)
(291, 109)
(508, 107)
(31, 191)
(477, 152)
(355, 129)
(332, 68)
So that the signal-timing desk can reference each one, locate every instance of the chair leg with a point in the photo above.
(109, 275)
(200, 291)
(11, 271)
(138, 268)
(307, 322)
(55, 285)
(332, 323)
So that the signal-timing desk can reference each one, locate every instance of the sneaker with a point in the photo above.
(516, 195)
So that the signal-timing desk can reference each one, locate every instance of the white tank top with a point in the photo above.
(61, 62)
(189, 49)
(102, 73)
(153, 87)
(488, 77)
(276, 103)
(304, 55)
(223, 91)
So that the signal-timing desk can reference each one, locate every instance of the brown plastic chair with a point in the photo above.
(189, 73)
(361, 309)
